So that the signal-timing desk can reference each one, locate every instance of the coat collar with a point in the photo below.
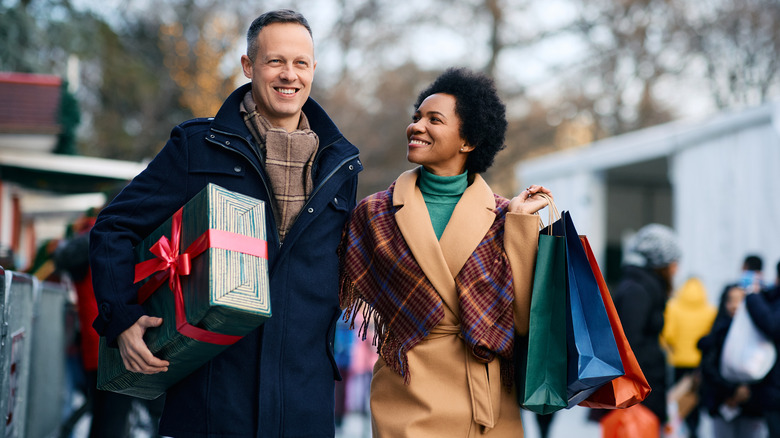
(229, 118)
(472, 218)
(334, 149)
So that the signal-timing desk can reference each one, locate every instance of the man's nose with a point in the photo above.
(288, 72)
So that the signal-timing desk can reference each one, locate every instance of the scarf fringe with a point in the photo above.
(388, 346)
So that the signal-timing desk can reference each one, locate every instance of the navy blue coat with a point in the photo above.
(714, 389)
(640, 299)
(278, 380)
(764, 309)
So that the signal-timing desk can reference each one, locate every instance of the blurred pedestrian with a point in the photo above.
(544, 421)
(363, 357)
(649, 265)
(342, 354)
(735, 410)
(688, 317)
(764, 309)
(109, 411)
(751, 277)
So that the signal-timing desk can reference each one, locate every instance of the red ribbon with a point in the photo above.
(171, 265)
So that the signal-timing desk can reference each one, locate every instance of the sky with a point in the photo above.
(432, 47)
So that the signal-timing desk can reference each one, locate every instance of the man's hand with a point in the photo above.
(135, 354)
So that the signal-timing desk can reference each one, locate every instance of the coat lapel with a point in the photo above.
(415, 224)
(441, 260)
(471, 220)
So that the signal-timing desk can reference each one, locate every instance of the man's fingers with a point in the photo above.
(136, 356)
(149, 321)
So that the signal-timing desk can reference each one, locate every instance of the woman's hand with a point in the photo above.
(529, 201)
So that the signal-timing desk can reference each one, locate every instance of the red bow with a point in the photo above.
(171, 265)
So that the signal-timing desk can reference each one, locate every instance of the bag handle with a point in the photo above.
(552, 211)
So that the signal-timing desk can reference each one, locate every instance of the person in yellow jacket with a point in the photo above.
(688, 317)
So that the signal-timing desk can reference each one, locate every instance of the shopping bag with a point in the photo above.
(592, 354)
(747, 354)
(544, 386)
(632, 387)
(634, 422)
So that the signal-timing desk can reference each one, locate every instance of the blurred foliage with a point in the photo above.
(570, 71)
(69, 117)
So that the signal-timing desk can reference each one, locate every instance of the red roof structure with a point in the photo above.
(29, 103)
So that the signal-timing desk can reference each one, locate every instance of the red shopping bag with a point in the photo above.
(632, 387)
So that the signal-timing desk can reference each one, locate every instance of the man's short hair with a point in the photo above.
(278, 16)
(753, 263)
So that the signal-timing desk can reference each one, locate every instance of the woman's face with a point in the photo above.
(734, 297)
(434, 137)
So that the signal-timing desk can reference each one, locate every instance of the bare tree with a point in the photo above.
(739, 42)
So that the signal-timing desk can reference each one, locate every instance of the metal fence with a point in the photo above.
(32, 356)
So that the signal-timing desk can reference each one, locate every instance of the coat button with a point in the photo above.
(211, 136)
(310, 210)
(227, 142)
(336, 201)
(351, 167)
(237, 169)
(105, 311)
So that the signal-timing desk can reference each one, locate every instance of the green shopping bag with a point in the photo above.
(542, 387)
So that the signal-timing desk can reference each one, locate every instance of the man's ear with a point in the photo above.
(246, 66)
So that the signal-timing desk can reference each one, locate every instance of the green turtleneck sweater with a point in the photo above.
(441, 194)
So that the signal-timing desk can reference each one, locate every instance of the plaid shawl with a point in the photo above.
(381, 277)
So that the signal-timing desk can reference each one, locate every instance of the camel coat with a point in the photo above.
(450, 393)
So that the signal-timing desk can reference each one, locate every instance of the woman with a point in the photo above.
(764, 310)
(438, 260)
(649, 265)
(735, 410)
(688, 317)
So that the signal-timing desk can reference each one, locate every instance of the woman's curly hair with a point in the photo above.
(482, 113)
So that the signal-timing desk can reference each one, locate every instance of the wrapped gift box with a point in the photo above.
(225, 294)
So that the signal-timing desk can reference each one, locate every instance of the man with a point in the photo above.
(272, 142)
(764, 309)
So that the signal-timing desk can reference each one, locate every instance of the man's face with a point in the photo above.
(282, 72)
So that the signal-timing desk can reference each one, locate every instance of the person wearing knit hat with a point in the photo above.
(653, 246)
(649, 264)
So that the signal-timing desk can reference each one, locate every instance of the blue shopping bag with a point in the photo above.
(593, 358)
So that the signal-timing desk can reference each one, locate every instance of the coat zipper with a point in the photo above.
(265, 182)
(262, 177)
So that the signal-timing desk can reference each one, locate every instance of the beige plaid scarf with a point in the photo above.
(288, 161)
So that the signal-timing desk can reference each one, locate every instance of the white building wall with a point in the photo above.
(727, 204)
(725, 189)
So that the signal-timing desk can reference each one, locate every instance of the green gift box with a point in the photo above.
(205, 272)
